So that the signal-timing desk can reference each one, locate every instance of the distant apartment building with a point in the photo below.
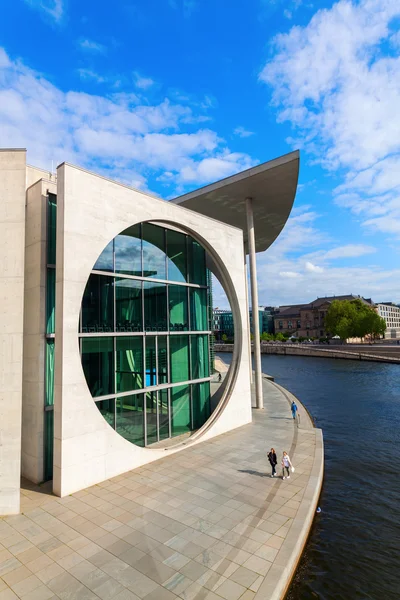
(391, 313)
(308, 320)
(223, 321)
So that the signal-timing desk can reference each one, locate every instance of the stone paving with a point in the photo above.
(207, 523)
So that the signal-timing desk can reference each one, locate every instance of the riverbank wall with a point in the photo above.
(368, 353)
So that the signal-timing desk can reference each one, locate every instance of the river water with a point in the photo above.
(353, 552)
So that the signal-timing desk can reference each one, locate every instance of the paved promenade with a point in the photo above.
(207, 523)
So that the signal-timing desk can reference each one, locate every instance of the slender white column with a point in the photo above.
(247, 309)
(254, 303)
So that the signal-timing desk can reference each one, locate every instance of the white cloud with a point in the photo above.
(313, 268)
(349, 251)
(242, 132)
(143, 83)
(119, 135)
(50, 8)
(336, 80)
(89, 75)
(289, 274)
(91, 46)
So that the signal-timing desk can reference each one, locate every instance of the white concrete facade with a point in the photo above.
(391, 313)
(12, 235)
(91, 211)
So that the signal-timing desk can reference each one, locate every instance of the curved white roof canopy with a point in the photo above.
(272, 186)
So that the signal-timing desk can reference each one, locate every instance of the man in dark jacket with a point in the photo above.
(272, 461)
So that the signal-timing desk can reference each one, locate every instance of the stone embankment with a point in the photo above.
(375, 353)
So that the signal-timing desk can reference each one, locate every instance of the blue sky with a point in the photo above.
(168, 95)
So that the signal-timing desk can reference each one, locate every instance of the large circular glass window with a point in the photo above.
(145, 334)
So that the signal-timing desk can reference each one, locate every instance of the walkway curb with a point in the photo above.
(279, 577)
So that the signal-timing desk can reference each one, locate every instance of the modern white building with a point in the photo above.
(391, 313)
(104, 317)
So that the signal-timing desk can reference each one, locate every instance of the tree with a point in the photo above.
(353, 318)
(280, 337)
(224, 338)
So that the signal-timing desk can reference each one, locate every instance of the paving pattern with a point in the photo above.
(207, 523)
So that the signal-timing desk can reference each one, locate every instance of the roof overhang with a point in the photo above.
(272, 187)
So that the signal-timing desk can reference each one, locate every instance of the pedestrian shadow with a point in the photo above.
(251, 472)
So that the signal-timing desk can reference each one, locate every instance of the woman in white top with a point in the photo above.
(286, 464)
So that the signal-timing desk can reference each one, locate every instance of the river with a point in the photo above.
(353, 552)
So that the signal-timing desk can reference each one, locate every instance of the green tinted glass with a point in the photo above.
(200, 361)
(162, 359)
(128, 305)
(130, 418)
(200, 403)
(49, 390)
(128, 252)
(177, 256)
(51, 229)
(151, 417)
(129, 363)
(154, 258)
(198, 309)
(50, 300)
(155, 306)
(180, 410)
(48, 444)
(163, 414)
(151, 361)
(197, 262)
(98, 365)
(178, 308)
(179, 357)
(98, 305)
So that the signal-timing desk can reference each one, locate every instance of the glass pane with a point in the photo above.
(179, 357)
(177, 256)
(154, 259)
(151, 371)
(49, 392)
(198, 309)
(163, 414)
(51, 229)
(162, 359)
(107, 409)
(151, 417)
(197, 262)
(155, 306)
(128, 305)
(98, 304)
(50, 300)
(48, 444)
(199, 356)
(130, 418)
(98, 365)
(200, 403)
(178, 308)
(180, 410)
(129, 363)
(128, 252)
(105, 262)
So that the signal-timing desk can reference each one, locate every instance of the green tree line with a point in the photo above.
(353, 319)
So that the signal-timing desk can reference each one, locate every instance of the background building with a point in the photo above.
(391, 313)
(308, 320)
(223, 322)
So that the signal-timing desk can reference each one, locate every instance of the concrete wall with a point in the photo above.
(34, 331)
(12, 234)
(34, 174)
(91, 212)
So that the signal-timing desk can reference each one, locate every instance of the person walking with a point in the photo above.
(286, 464)
(272, 461)
(294, 409)
(219, 377)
